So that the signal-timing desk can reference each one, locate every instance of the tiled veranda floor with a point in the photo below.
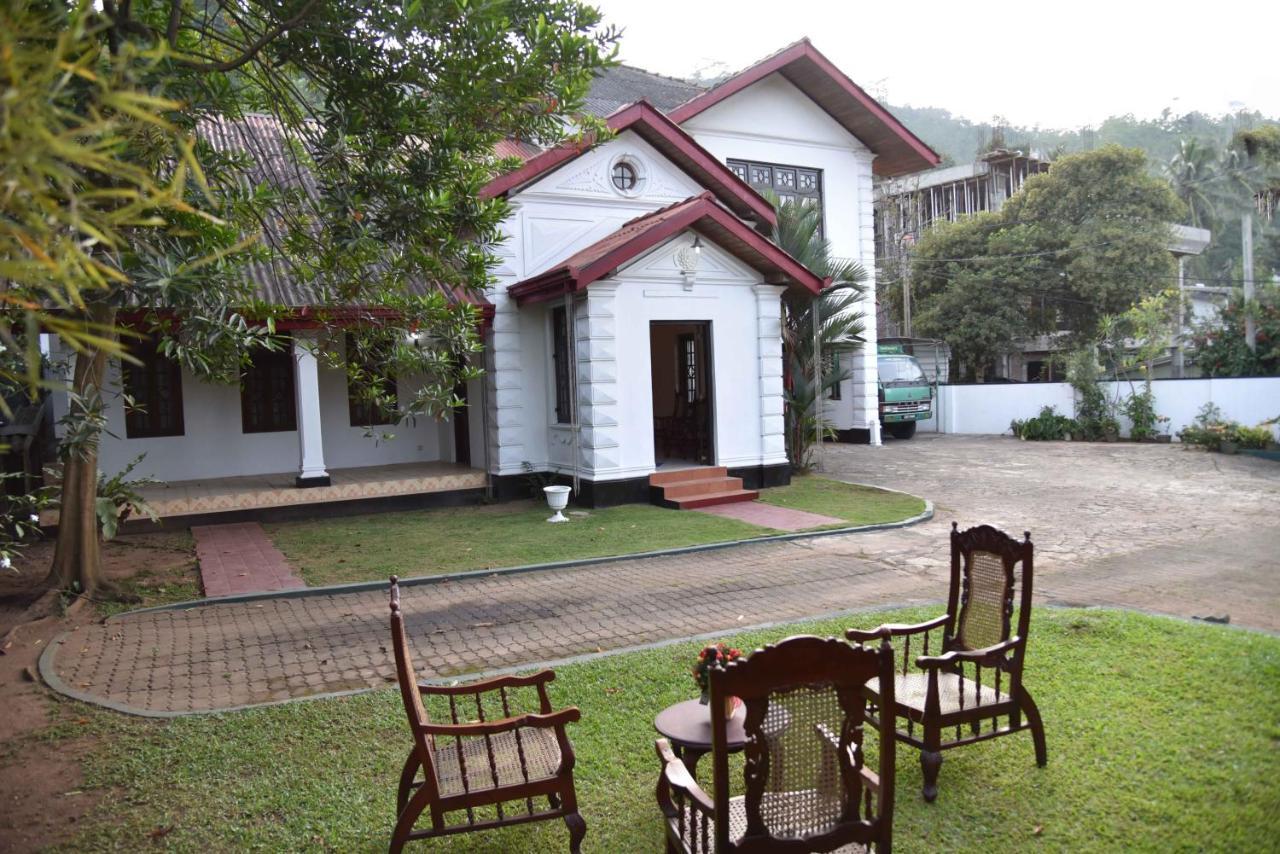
(255, 492)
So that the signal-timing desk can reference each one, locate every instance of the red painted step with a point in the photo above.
(712, 498)
(663, 478)
(704, 486)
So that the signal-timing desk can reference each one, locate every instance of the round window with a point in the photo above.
(625, 176)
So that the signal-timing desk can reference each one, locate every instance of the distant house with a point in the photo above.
(908, 205)
(635, 324)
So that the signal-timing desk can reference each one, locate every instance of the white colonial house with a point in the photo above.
(635, 325)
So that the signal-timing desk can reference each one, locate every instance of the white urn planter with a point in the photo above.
(557, 500)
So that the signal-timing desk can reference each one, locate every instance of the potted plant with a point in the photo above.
(708, 658)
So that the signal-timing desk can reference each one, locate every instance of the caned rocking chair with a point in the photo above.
(948, 689)
(806, 785)
(472, 764)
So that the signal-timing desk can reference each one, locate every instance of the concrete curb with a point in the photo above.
(365, 586)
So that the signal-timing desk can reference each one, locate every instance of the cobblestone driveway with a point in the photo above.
(1145, 526)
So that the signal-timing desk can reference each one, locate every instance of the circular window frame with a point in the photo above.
(636, 167)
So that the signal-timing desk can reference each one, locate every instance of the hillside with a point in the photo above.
(959, 140)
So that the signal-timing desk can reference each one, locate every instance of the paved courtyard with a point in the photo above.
(1153, 527)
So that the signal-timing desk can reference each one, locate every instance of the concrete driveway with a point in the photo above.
(1159, 527)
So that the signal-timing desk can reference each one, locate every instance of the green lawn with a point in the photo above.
(455, 539)
(1162, 736)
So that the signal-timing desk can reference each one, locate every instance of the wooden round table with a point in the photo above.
(687, 726)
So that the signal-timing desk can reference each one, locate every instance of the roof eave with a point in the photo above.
(804, 50)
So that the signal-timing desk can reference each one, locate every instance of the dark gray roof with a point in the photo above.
(622, 84)
(263, 142)
(268, 149)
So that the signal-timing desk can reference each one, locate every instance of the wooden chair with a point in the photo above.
(466, 765)
(949, 689)
(806, 785)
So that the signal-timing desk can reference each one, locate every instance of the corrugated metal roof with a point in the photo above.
(268, 151)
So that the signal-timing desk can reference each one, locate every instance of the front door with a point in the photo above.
(680, 364)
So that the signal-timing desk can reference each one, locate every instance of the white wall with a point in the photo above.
(774, 122)
(614, 374)
(559, 214)
(988, 408)
(214, 444)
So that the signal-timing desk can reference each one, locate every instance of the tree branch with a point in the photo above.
(175, 19)
(254, 49)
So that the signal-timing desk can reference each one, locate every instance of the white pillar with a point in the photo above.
(599, 413)
(773, 440)
(306, 381)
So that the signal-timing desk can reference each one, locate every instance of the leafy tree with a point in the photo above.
(1087, 239)
(839, 322)
(977, 307)
(383, 120)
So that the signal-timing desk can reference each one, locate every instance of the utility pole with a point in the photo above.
(905, 265)
(1246, 240)
(1179, 361)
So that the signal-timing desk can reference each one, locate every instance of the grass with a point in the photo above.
(430, 542)
(1162, 736)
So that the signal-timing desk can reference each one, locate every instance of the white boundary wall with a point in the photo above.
(988, 408)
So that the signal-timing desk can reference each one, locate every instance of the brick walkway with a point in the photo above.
(240, 558)
(1144, 526)
(770, 516)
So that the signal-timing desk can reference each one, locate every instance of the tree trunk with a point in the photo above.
(77, 557)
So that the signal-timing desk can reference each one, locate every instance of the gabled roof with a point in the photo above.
(702, 214)
(619, 85)
(673, 143)
(803, 65)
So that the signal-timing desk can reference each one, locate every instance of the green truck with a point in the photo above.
(905, 394)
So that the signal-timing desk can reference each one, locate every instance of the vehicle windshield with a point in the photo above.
(896, 369)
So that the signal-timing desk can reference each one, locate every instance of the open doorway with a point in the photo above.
(680, 364)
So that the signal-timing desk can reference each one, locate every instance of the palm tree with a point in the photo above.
(839, 324)
(1197, 177)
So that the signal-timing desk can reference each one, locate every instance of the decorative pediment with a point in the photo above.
(675, 259)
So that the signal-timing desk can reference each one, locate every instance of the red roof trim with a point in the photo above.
(643, 118)
(802, 49)
(669, 221)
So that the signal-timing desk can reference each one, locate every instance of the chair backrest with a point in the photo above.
(406, 676)
(805, 705)
(984, 578)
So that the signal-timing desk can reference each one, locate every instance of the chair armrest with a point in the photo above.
(555, 719)
(981, 656)
(893, 630)
(493, 684)
(676, 776)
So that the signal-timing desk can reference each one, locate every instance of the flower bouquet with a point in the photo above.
(707, 659)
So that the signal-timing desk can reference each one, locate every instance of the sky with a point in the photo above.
(1052, 65)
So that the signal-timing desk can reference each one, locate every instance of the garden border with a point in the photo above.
(414, 581)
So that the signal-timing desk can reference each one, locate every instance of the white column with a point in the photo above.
(504, 368)
(306, 382)
(864, 389)
(773, 439)
(595, 331)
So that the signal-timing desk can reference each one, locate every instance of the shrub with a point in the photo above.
(1253, 437)
(1048, 425)
(1094, 416)
(1140, 407)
